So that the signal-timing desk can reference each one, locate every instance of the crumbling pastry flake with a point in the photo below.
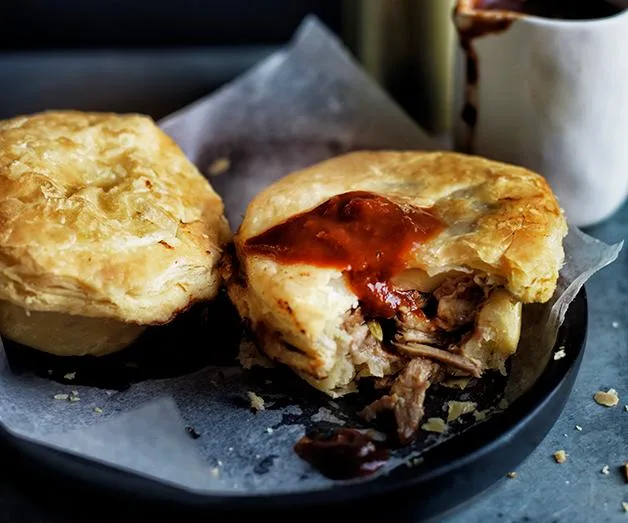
(456, 383)
(560, 354)
(606, 399)
(560, 456)
(459, 408)
(257, 402)
(480, 415)
(218, 166)
(435, 425)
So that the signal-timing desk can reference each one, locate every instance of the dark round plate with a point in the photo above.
(451, 474)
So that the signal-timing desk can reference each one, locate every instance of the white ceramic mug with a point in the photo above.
(550, 95)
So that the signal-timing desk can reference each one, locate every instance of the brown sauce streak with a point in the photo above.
(475, 26)
(343, 454)
(362, 234)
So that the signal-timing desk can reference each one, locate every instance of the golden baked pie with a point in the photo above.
(105, 228)
(401, 267)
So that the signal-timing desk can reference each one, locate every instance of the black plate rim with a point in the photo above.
(507, 424)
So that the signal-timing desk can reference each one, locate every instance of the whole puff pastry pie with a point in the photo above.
(402, 267)
(105, 228)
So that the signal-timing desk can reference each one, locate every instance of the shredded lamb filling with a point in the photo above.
(406, 397)
(427, 341)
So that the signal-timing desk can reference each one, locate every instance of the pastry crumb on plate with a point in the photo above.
(435, 425)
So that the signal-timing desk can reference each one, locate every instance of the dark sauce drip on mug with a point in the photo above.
(469, 28)
(342, 454)
(365, 235)
(505, 12)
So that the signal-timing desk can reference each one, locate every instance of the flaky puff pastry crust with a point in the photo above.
(500, 220)
(102, 216)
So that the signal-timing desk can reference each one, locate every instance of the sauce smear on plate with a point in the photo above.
(343, 454)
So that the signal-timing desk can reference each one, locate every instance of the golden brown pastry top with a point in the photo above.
(500, 219)
(102, 215)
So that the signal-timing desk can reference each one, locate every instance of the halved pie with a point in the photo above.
(397, 266)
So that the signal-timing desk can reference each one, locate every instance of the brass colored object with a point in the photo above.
(408, 46)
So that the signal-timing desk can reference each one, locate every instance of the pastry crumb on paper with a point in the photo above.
(218, 166)
(607, 398)
(257, 402)
(72, 397)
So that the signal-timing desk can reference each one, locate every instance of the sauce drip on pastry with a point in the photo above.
(363, 234)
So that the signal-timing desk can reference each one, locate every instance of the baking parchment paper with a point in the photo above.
(192, 426)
